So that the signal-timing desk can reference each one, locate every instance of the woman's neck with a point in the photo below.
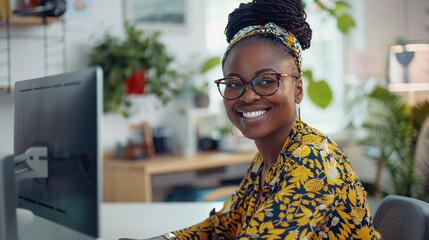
(270, 146)
(269, 151)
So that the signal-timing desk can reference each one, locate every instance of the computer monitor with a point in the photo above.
(62, 113)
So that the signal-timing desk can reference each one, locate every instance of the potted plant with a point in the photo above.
(393, 126)
(200, 87)
(139, 57)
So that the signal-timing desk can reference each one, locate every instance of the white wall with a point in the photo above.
(6, 123)
(378, 25)
(27, 62)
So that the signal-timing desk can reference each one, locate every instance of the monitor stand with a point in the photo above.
(35, 160)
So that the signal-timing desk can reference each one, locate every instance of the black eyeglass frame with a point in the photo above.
(277, 75)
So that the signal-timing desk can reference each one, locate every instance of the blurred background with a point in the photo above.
(165, 135)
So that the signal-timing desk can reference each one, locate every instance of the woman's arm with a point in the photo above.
(154, 238)
(167, 236)
(222, 222)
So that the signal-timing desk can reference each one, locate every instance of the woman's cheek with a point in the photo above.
(229, 111)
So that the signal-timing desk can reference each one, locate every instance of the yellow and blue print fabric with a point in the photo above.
(286, 37)
(312, 192)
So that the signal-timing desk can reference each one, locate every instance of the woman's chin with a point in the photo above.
(252, 135)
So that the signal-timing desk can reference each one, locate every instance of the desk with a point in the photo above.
(133, 180)
(134, 220)
(144, 220)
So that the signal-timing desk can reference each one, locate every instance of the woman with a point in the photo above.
(300, 184)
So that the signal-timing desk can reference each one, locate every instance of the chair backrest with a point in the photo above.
(401, 217)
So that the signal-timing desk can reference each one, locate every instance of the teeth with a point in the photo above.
(253, 114)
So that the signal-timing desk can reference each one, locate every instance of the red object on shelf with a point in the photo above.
(137, 82)
(34, 3)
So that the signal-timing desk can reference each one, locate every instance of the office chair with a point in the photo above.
(401, 217)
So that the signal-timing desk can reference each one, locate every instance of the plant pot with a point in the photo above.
(135, 84)
(202, 101)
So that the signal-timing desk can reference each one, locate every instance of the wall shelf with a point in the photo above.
(50, 45)
(33, 20)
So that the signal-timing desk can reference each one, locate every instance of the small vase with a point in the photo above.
(135, 84)
(202, 101)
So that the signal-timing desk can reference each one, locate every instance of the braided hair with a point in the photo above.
(288, 14)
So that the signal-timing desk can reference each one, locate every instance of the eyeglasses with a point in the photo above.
(264, 84)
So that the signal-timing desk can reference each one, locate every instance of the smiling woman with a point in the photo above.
(300, 184)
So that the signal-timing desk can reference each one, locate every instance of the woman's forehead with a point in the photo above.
(256, 55)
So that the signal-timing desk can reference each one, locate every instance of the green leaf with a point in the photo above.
(341, 7)
(209, 64)
(308, 74)
(320, 93)
(345, 22)
(419, 113)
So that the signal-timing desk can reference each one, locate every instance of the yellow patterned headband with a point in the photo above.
(286, 37)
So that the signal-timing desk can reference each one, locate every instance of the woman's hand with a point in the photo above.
(154, 238)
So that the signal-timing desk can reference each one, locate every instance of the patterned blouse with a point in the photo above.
(312, 192)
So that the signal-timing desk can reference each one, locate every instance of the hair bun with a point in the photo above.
(288, 14)
(241, 17)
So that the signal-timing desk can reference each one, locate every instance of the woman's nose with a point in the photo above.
(249, 94)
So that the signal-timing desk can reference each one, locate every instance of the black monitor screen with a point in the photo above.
(62, 113)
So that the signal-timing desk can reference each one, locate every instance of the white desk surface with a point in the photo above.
(136, 220)
(144, 220)
(132, 220)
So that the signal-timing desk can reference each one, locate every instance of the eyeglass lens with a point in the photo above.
(264, 84)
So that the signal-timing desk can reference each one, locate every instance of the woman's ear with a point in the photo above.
(299, 91)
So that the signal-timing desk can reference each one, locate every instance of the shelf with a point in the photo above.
(50, 42)
(32, 20)
(6, 90)
(33, 37)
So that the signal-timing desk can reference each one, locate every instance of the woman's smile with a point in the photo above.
(254, 114)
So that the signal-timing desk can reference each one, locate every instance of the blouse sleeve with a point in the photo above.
(309, 188)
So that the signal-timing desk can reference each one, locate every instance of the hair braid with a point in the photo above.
(288, 14)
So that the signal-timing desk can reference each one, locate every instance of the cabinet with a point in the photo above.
(135, 181)
(32, 29)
